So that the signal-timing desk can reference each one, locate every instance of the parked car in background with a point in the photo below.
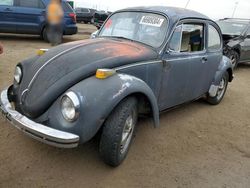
(29, 17)
(143, 61)
(236, 36)
(99, 18)
(84, 14)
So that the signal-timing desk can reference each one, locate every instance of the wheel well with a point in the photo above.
(230, 73)
(237, 50)
(144, 105)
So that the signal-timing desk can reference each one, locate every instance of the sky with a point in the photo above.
(215, 9)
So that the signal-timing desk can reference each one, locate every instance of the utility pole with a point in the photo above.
(187, 3)
(235, 8)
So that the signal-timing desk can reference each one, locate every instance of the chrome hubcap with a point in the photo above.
(127, 134)
(221, 88)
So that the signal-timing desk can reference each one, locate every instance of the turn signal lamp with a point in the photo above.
(41, 51)
(104, 73)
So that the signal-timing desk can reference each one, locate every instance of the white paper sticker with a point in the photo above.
(152, 21)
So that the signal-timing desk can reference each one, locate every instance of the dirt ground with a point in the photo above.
(196, 146)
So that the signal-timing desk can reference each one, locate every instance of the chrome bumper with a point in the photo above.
(35, 130)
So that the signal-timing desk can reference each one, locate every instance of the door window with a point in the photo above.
(188, 38)
(7, 2)
(31, 4)
(214, 40)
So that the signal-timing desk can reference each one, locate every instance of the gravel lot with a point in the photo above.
(197, 145)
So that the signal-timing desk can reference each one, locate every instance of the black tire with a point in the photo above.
(45, 34)
(221, 92)
(234, 57)
(111, 149)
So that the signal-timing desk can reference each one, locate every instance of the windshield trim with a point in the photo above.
(144, 11)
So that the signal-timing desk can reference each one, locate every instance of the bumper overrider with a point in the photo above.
(35, 130)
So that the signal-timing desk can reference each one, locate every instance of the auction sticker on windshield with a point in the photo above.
(152, 21)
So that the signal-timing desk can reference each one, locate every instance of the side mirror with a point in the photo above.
(94, 35)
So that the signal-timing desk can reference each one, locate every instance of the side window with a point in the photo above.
(188, 38)
(175, 42)
(85, 10)
(7, 2)
(214, 40)
(192, 38)
(31, 4)
(78, 10)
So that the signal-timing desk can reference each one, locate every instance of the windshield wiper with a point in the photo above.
(120, 37)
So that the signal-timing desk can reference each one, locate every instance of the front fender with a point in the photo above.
(98, 99)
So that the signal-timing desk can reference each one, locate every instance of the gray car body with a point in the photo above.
(168, 80)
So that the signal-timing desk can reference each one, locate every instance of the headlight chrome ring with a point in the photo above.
(70, 106)
(18, 74)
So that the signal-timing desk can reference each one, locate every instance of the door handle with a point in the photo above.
(204, 59)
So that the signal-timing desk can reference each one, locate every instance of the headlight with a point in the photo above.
(18, 74)
(70, 106)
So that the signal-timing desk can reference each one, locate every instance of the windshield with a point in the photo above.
(146, 28)
(232, 28)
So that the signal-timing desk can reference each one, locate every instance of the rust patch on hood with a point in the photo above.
(115, 49)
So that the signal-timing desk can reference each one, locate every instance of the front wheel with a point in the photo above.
(118, 132)
(221, 91)
(234, 57)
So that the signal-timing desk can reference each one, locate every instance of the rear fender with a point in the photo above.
(225, 66)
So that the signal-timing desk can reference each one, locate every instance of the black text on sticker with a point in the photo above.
(152, 21)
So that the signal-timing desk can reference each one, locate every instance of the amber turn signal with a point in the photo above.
(41, 51)
(104, 73)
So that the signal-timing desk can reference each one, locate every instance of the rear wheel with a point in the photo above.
(45, 34)
(221, 90)
(118, 132)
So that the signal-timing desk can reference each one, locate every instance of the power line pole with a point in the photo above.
(187, 3)
(235, 8)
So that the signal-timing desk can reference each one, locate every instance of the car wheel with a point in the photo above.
(234, 57)
(45, 34)
(221, 91)
(118, 132)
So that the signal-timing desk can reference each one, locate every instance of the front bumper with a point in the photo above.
(35, 130)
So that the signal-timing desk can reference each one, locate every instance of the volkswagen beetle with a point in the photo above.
(143, 61)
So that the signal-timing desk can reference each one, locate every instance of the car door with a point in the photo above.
(7, 16)
(245, 47)
(31, 15)
(185, 61)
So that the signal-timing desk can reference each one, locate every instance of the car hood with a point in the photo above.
(50, 75)
(231, 40)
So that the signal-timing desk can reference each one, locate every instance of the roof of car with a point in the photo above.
(179, 13)
(238, 20)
